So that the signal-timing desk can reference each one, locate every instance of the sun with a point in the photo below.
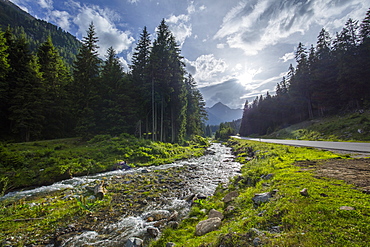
(246, 76)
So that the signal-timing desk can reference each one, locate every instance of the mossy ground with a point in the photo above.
(288, 219)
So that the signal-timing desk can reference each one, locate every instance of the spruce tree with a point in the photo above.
(141, 81)
(25, 90)
(4, 86)
(85, 85)
(56, 78)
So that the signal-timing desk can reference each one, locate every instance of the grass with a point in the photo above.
(349, 127)
(316, 220)
(44, 162)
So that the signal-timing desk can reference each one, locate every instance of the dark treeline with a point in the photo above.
(43, 98)
(329, 78)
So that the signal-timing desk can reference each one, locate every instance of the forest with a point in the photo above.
(329, 78)
(44, 98)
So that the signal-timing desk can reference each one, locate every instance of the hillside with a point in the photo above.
(37, 30)
(346, 127)
(220, 113)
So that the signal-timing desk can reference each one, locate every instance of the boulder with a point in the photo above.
(207, 226)
(134, 242)
(152, 231)
(263, 197)
(231, 196)
(214, 213)
(304, 192)
(347, 208)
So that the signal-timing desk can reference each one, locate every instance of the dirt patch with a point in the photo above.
(352, 171)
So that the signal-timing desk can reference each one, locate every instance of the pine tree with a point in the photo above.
(141, 77)
(25, 90)
(115, 110)
(4, 86)
(86, 78)
(196, 113)
(56, 78)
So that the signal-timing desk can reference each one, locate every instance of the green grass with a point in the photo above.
(349, 127)
(315, 220)
(44, 162)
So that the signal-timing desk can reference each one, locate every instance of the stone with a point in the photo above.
(213, 213)
(304, 192)
(173, 216)
(348, 208)
(173, 224)
(229, 209)
(263, 197)
(268, 176)
(134, 242)
(256, 241)
(207, 226)
(152, 231)
(230, 196)
(170, 244)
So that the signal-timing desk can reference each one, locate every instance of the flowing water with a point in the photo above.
(201, 176)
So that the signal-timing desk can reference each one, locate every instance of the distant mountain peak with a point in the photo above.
(220, 113)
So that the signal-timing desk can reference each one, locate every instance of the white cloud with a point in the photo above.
(220, 46)
(254, 25)
(61, 18)
(287, 57)
(106, 30)
(191, 8)
(46, 4)
(180, 27)
(208, 69)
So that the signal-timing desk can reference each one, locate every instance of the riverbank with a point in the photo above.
(285, 196)
(32, 164)
(142, 198)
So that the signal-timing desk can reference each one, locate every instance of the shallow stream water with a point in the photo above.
(201, 176)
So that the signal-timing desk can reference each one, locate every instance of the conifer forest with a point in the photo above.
(43, 97)
(329, 78)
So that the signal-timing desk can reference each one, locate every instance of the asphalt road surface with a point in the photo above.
(361, 147)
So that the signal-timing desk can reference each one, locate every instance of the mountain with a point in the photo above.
(37, 30)
(220, 113)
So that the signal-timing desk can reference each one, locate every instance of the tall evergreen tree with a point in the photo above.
(4, 86)
(25, 90)
(196, 113)
(142, 84)
(86, 78)
(116, 106)
(56, 78)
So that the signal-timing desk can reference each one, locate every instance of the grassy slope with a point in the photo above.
(304, 221)
(349, 127)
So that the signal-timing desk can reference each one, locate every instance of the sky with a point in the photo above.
(235, 49)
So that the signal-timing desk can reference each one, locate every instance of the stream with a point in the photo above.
(198, 177)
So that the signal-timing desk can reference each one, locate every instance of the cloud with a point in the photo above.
(287, 57)
(229, 92)
(46, 4)
(257, 24)
(191, 8)
(220, 46)
(106, 30)
(207, 69)
(180, 27)
(61, 18)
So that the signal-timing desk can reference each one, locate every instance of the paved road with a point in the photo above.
(345, 146)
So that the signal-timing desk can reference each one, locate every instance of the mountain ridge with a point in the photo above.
(37, 30)
(220, 113)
